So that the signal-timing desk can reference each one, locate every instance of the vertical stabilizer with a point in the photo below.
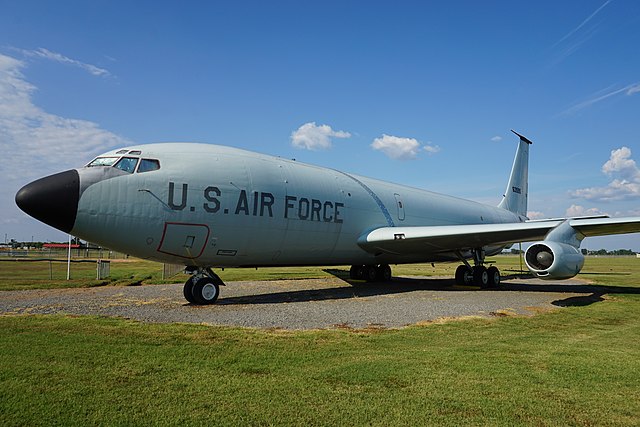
(515, 196)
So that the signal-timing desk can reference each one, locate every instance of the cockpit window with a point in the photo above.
(121, 152)
(148, 165)
(127, 164)
(135, 152)
(103, 161)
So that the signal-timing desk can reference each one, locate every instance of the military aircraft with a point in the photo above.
(209, 206)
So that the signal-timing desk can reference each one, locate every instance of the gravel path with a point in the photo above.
(304, 304)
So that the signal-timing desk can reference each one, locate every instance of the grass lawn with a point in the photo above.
(17, 275)
(575, 366)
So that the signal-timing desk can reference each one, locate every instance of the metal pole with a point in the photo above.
(520, 256)
(69, 260)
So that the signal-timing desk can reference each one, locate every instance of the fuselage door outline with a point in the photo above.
(400, 206)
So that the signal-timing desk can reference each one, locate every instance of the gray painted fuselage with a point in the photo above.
(217, 206)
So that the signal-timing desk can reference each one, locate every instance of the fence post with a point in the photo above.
(103, 269)
(69, 260)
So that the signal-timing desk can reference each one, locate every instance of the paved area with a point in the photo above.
(305, 304)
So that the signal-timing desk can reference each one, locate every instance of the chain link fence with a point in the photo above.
(51, 264)
(56, 253)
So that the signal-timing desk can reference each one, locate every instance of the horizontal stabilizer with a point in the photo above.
(524, 138)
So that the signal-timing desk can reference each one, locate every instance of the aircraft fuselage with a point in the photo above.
(217, 206)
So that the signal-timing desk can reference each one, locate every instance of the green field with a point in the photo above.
(21, 274)
(25, 273)
(575, 366)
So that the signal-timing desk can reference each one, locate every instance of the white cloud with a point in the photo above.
(577, 210)
(57, 57)
(626, 182)
(431, 149)
(628, 90)
(496, 138)
(38, 143)
(635, 88)
(535, 215)
(616, 190)
(313, 137)
(620, 162)
(399, 148)
(396, 147)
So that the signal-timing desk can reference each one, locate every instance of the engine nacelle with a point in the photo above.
(553, 260)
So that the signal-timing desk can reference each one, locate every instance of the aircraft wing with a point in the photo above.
(606, 226)
(448, 238)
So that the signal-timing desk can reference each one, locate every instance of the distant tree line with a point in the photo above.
(606, 252)
(38, 245)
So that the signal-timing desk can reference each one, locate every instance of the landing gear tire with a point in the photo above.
(464, 276)
(461, 271)
(358, 272)
(384, 273)
(480, 276)
(205, 291)
(494, 277)
(372, 273)
(188, 290)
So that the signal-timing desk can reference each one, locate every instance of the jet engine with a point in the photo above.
(553, 260)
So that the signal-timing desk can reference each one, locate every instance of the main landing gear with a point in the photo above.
(203, 287)
(478, 275)
(371, 273)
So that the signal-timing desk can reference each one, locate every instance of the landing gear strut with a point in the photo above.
(371, 273)
(203, 287)
(478, 275)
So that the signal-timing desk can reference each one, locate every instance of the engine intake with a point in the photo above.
(553, 260)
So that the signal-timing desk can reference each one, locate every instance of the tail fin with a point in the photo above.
(515, 196)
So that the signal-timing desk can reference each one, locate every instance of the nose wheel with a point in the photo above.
(203, 287)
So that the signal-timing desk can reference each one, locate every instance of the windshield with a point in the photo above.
(127, 164)
(103, 161)
(148, 165)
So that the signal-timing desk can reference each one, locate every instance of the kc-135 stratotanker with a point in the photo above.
(210, 206)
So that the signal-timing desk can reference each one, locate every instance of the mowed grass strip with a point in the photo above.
(18, 275)
(21, 275)
(578, 366)
(575, 366)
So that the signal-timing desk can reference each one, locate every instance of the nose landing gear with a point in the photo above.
(203, 287)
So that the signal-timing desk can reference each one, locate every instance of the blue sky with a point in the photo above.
(420, 93)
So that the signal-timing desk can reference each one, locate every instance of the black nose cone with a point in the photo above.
(52, 199)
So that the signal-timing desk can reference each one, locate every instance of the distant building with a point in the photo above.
(59, 246)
